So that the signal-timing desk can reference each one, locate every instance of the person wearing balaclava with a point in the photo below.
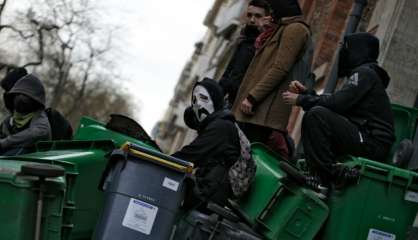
(355, 120)
(28, 122)
(245, 49)
(282, 56)
(216, 146)
(9, 81)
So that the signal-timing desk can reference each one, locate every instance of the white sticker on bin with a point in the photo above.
(171, 184)
(379, 235)
(411, 196)
(140, 216)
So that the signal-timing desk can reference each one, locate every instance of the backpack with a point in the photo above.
(242, 172)
(60, 127)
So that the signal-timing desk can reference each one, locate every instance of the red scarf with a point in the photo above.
(262, 38)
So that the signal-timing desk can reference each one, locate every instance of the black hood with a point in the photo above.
(383, 75)
(357, 49)
(215, 91)
(12, 77)
(221, 114)
(191, 121)
(284, 8)
(30, 86)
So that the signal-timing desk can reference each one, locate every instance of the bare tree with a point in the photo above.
(69, 50)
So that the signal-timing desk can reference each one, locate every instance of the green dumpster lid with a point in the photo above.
(384, 172)
(10, 174)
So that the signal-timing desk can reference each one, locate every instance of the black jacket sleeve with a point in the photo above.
(351, 93)
(207, 141)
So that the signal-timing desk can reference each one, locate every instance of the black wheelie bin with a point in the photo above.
(143, 192)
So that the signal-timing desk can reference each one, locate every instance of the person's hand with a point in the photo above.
(247, 107)
(296, 87)
(290, 98)
(266, 23)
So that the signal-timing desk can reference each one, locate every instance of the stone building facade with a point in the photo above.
(392, 21)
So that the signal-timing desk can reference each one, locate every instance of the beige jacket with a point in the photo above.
(270, 73)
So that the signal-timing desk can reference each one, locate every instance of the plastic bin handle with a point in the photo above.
(269, 206)
(375, 169)
(158, 158)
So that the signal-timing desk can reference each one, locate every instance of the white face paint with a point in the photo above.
(202, 103)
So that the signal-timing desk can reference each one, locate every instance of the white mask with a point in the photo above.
(202, 103)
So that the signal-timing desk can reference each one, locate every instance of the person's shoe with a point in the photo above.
(345, 176)
(321, 191)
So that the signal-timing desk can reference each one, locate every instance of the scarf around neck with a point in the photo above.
(20, 120)
(262, 38)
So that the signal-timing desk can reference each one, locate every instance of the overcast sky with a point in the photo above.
(156, 40)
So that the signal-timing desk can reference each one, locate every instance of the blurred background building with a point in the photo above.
(392, 21)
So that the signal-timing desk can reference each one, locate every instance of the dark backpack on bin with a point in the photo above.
(60, 127)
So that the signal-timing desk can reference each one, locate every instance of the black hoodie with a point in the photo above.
(363, 98)
(213, 152)
(215, 149)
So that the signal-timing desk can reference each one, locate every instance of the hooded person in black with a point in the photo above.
(9, 81)
(215, 148)
(355, 120)
(28, 122)
(245, 49)
(60, 127)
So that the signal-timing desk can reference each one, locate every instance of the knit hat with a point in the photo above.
(284, 8)
(12, 77)
(214, 90)
(9, 81)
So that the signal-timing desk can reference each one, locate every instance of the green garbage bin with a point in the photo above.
(278, 208)
(382, 205)
(90, 129)
(84, 162)
(18, 202)
(406, 120)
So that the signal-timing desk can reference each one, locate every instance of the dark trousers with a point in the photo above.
(327, 135)
(256, 133)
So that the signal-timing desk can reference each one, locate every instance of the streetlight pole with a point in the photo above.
(351, 27)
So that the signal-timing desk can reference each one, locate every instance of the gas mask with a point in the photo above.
(202, 103)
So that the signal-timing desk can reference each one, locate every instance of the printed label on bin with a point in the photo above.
(411, 196)
(140, 216)
(379, 235)
(171, 184)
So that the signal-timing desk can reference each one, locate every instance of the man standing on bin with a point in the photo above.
(281, 53)
(355, 120)
(244, 52)
(217, 146)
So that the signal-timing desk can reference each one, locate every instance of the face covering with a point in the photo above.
(24, 104)
(190, 119)
(343, 61)
(251, 31)
(202, 103)
(20, 120)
